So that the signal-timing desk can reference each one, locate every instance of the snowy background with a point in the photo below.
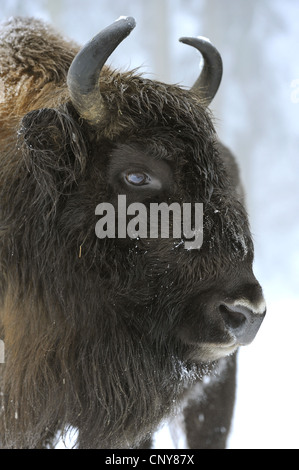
(257, 110)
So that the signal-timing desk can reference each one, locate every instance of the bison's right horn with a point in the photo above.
(83, 75)
(208, 82)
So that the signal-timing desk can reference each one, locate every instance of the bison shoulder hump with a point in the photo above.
(31, 47)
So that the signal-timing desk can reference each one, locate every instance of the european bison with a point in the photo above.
(112, 336)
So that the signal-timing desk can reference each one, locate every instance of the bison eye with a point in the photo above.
(137, 178)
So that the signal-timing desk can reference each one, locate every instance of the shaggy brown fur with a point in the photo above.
(95, 330)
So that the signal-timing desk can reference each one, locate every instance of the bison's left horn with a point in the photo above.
(83, 75)
(208, 82)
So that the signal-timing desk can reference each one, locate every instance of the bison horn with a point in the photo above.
(209, 80)
(83, 75)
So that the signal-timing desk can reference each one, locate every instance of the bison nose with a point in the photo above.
(243, 319)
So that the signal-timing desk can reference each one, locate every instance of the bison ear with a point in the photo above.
(52, 145)
(38, 129)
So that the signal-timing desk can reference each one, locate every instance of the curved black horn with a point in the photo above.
(83, 75)
(209, 80)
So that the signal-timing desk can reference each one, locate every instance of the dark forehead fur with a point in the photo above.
(140, 103)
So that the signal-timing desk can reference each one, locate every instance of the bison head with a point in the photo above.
(164, 149)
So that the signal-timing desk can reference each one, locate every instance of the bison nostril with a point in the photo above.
(233, 319)
(242, 319)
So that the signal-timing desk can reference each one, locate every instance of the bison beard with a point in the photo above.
(112, 336)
